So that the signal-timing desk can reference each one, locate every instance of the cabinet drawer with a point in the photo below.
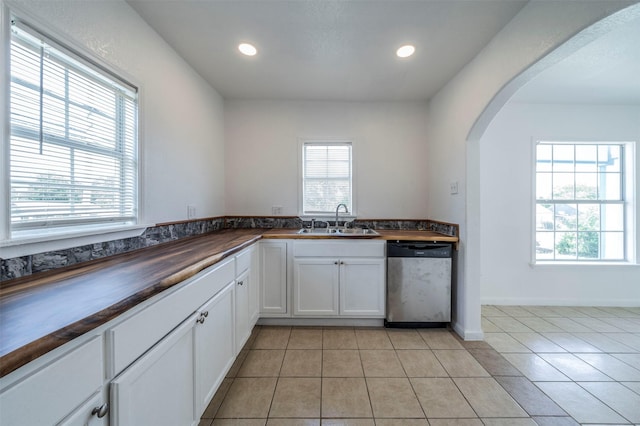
(338, 248)
(243, 260)
(133, 337)
(55, 390)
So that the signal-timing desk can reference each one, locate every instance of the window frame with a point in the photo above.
(12, 243)
(328, 215)
(628, 190)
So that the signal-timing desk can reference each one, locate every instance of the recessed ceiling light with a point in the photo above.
(405, 51)
(247, 49)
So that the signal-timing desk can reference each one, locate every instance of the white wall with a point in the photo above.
(477, 93)
(390, 159)
(506, 170)
(182, 135)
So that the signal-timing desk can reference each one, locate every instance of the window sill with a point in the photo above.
(616, 263)
(29, 243)
(328, 217)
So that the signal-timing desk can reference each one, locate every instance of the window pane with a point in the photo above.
(543, 158)
(563, 186)
(544, 245)
(586, 186)
(563, 158)
(586, 158)
(612, 217)
(544, 217)
(566, 216)
(609, 157)
(588, 245)
(588, 217)
(613, 246)
(543, 186)
(565, 245)
(610, 187)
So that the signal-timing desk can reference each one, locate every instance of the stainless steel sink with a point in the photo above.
(349, 232)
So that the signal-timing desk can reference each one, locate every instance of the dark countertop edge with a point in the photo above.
(21, 356)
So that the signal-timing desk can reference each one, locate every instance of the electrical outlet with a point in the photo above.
(454, 187)
(276, 210)
(191, 211)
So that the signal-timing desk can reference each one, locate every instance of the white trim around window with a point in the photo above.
(62, 232)
(584, 202)
(326, 165)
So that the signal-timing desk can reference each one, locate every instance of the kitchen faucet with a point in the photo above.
(346, 210)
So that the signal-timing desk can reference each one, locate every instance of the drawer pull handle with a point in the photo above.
(203, 315)
(100, 411)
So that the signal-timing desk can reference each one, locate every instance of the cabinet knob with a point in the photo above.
(335, 263)
(100, 411)
(202, 316)
(240, 282)
(342, 263)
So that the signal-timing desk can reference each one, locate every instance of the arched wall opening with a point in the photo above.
(539, 36)
(588, 94)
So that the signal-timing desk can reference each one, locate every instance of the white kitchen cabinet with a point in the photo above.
(339, 279)
(58, 390)
(254, 288)
(242, 327)
(315, 286)
(134, 335)
(273, 278)
(174, 381)
(362, 287)
(246, 297)
(92, 413)
(214, 345)
(158, 389)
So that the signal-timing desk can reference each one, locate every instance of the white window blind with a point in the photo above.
(326, 176)
(73, 138)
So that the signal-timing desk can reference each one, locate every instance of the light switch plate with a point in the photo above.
(191, 211)
(454, 187)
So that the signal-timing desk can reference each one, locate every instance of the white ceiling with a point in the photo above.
(605, 71)
(328, 49)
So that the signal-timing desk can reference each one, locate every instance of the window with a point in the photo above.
(580, 202)
(326, 177)
(73, 139)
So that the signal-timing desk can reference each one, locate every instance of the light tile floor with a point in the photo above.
(538, 365)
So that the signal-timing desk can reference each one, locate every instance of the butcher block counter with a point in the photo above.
(41, 312)
(385, 234)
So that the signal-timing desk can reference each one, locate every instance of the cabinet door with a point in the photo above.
(53, 392)
(214, 345)
(362, 287)
(254, 290)
(89, 413)
(315, 286)
(242, 328)
(158, 389)
(273, 277)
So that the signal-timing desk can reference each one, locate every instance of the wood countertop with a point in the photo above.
(385, 234)
(41, 312)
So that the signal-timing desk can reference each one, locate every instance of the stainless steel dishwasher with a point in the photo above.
(418, 284)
